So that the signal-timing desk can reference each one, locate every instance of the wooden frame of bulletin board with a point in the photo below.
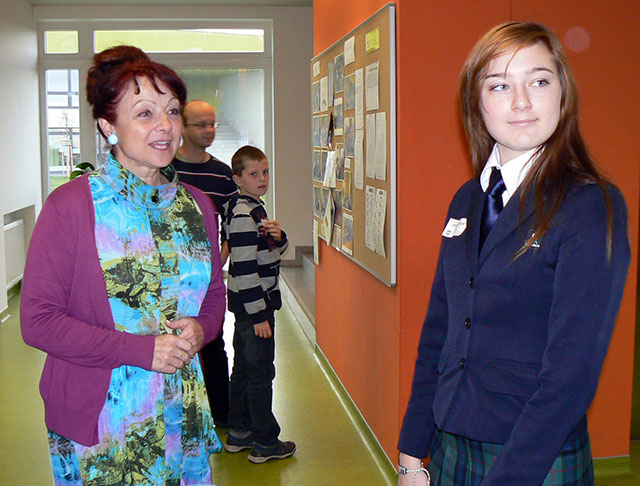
(353, 92)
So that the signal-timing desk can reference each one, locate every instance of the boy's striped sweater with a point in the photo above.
(254, 262)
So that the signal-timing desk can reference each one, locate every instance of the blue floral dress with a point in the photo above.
(155, 429)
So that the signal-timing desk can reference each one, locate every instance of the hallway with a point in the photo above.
(331, 450)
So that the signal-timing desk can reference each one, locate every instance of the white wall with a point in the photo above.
(20, 186)
(292, 51)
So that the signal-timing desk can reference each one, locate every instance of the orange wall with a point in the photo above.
(368, 331)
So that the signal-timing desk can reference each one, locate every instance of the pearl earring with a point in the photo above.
(113, 139)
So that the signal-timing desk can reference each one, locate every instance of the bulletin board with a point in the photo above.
(353, 98)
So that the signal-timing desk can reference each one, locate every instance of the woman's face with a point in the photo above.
(520, 100)
(148, 126)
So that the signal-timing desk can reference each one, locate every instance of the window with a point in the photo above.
(63, 124)
(61, 41)
(226, 63)
(185, 40)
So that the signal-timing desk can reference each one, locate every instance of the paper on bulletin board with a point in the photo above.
(359, 99)
(372, 40)
(371, 145)
(331, 79)
(378, 218)
(338, 73)
(349, 51)
(381, 145)
(372, 83)
(324, 94)
(338, 117)
(359, 160)
(327, 221)
(315, 97)
(369, 223)
(347, 234)
(337, 237)
(330, 171)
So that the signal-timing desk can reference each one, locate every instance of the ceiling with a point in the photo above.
(236, 3)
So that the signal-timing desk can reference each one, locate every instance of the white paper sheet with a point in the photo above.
(379, 217)
(359, 160)
(371, 82)
(349, 51)
(381, 145)
(330, 172)
(370, 162)
(359, 99)
(369, 222)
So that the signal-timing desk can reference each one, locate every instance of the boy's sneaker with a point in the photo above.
(237, 444)
(281, 450)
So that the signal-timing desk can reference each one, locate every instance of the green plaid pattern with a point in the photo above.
(458, 461)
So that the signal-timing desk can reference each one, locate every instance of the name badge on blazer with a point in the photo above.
(455, 227)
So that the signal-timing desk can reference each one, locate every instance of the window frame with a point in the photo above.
(187, 60)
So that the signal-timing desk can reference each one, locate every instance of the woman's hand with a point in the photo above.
(191, 331)
(412, 479)
(170, 353)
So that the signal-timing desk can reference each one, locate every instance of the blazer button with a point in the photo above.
(462, 363)
(471, 283)
(467, 322)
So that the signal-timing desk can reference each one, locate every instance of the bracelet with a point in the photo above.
(404, 471)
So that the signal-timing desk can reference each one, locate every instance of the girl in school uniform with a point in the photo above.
(530, 276)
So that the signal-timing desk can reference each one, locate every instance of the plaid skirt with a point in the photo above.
(458, 461)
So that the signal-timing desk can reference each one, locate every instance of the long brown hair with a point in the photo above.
(563, 160)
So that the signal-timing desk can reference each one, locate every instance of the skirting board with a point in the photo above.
(306, 325)
(377, 452)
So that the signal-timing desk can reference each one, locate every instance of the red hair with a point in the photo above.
(114, 69)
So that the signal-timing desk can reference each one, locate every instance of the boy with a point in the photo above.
(255, 245)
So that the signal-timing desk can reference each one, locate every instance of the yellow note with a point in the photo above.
(372, 40)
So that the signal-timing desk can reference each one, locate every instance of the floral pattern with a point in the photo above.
(155, 429)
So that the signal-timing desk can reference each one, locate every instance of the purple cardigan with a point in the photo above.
(65, 312)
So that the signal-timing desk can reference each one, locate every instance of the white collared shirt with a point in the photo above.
(513, 172)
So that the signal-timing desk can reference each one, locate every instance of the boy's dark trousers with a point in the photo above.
(215, 367)
(251, 385)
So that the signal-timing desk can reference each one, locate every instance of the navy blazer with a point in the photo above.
(511, 349)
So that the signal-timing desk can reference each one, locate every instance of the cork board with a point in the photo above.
(353, 113)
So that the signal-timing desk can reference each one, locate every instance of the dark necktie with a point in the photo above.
(493, 204)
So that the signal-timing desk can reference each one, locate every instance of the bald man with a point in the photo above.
(194, 164)
(197, 167)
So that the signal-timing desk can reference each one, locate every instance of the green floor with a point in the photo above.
(330, 452)
(331, 449)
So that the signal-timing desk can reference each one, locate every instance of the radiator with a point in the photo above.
(14, 253)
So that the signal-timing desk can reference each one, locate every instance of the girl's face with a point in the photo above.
(149, 127)
(520, 100)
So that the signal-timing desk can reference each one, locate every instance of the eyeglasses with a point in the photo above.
(203, 125)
